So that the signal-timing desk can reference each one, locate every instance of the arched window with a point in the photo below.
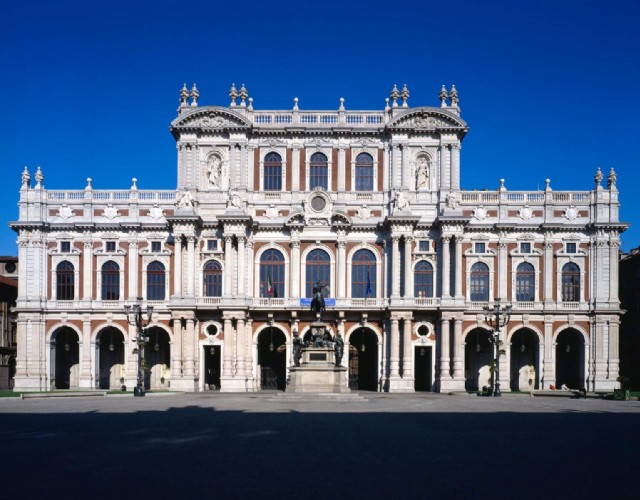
(364, 172)
(525, 283)
(273, 172)
(423, 280)
(155, 281)
(272, 274)
(65, 281)
(318, 171)
(479, 286)
(110, 281)
(318, 270)
(363, 274)
(212, 279)
(570, 283)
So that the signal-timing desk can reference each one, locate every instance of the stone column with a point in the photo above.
(614, 259)
(408, 271)
(243, 166)
(406, 178)
(342, 269)
(445, 357)
(249, 168)
(249, 268)
(177, 264)
(189, 366)
(228, 265)
(86, 381)
(227, 359)
(614, 354)
(341, 167)
(502, 270)
(176, 350)
(407, 358)
(458, 353)
(87, 272)
(248, 366)
(295, 168)
(23, 245)
(241, 265)
(395, 354)
(548, 373)
(133, 270)
(395, 267)
(233, 172)
(548, 272)
(240, 367)
(191, 264)
(455, 166)
(295, 270)
(446, 267)
(397, 166)
(444, 176)
(458, 271)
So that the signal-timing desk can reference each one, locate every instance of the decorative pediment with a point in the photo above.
(210, 118)
(428, 119)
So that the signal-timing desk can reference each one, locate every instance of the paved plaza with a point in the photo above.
(211, 445)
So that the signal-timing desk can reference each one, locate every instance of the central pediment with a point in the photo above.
(428, 119)
(210, 118)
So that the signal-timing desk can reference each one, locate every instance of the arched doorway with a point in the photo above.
(158, 359)
(423, 368)
(272, 359)
(478, 359)
(212, 367)
(570, 359)
(363, 360)
(110, 359)
(525, 360)
(65, 359)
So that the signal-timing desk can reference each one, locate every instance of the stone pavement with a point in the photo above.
(212, 445)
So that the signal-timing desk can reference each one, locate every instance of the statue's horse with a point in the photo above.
(317, 303)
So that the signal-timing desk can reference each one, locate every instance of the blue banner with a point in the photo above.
(306, 302)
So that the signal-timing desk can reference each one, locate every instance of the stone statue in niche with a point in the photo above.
(400, 202)
(186, 200)
(234, 200)
(422, 173)
(214, 171)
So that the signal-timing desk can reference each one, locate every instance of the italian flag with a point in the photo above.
(269, 284)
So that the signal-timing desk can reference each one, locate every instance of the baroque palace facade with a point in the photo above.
(269, 203)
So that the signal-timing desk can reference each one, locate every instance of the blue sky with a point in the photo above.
(550, 89)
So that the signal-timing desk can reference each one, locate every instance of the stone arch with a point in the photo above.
(102, 326)
(478, 357)
(523, 351)
(57, 326)
(364, 357)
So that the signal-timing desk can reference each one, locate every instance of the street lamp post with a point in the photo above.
(134, 318)
(496, 317)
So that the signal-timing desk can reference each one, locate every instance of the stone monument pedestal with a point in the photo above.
(317, 373)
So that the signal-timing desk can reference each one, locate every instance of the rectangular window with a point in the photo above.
(525, 247)
(110, 246)
(479, 248)
(65, 246)
(156, 246)
(212, 245)
(423, 245)
(571, 248)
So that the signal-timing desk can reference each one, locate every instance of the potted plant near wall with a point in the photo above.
(622, 394)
